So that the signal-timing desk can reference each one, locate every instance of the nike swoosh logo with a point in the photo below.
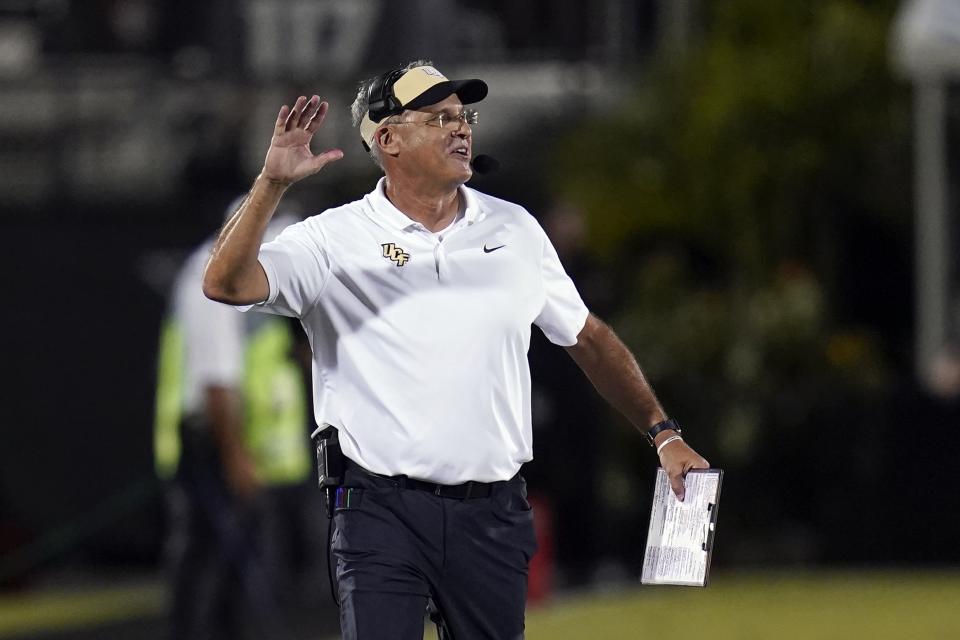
(485, 250)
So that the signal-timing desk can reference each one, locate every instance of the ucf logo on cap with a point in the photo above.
(395, 253)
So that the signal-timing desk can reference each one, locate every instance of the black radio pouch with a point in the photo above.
(330, 464)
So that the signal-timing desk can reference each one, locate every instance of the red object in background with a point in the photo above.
(540, 578)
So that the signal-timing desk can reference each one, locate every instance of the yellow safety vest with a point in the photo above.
(274, 403)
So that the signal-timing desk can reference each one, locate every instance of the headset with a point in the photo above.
(381, 101)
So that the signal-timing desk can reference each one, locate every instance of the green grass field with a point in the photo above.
(874, 605)
(877, 605)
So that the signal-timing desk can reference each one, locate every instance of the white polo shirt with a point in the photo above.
(419, 339)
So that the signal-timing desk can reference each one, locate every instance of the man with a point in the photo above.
(230, 416)
(419, 301)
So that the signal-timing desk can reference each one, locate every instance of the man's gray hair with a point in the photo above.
(359, 108)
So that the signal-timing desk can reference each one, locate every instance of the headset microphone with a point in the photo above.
(484, 164)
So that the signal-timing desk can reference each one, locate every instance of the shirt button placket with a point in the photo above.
(440, 259)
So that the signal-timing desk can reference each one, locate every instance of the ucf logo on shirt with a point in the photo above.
(395, 253)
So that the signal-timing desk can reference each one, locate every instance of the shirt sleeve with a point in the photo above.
(297, 266)
(214, 337)
(563, 314)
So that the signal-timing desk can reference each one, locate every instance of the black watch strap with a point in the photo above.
(669, 424)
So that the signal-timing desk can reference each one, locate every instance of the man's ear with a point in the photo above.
(389, 144)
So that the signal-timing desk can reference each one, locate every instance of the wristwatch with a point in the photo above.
(669, 424)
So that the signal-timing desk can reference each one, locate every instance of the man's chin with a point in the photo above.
(463, 168)
(460, 173)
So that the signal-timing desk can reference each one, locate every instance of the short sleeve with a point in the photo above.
(563, 314)
(297, 267)
(213, 334)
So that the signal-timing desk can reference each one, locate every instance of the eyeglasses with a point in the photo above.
(444, 120)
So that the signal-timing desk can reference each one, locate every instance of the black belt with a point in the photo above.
(463, 491)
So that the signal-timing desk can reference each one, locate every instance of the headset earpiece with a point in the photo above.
(380, 99)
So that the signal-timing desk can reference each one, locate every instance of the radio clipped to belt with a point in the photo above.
(330, 464)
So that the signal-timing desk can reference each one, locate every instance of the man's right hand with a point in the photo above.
(289, 158)
(241, 475)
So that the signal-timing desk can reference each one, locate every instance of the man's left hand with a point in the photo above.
(676, 459)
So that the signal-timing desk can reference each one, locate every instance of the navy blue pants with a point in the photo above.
(395, 548)
(221, 585)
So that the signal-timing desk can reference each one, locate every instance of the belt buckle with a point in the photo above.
(438, 489)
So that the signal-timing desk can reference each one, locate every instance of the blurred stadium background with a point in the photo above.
(758, 194)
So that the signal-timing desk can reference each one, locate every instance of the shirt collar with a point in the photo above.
(383, 210)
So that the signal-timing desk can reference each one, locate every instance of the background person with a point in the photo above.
(229, 438)
(565, 414)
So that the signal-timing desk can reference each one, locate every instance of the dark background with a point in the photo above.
(742, 171)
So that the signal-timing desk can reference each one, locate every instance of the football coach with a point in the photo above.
(418, 301)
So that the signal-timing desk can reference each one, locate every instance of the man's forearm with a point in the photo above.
(614, 372)
(233, 274)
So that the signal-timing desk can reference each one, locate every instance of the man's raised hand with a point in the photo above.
(289, 158)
